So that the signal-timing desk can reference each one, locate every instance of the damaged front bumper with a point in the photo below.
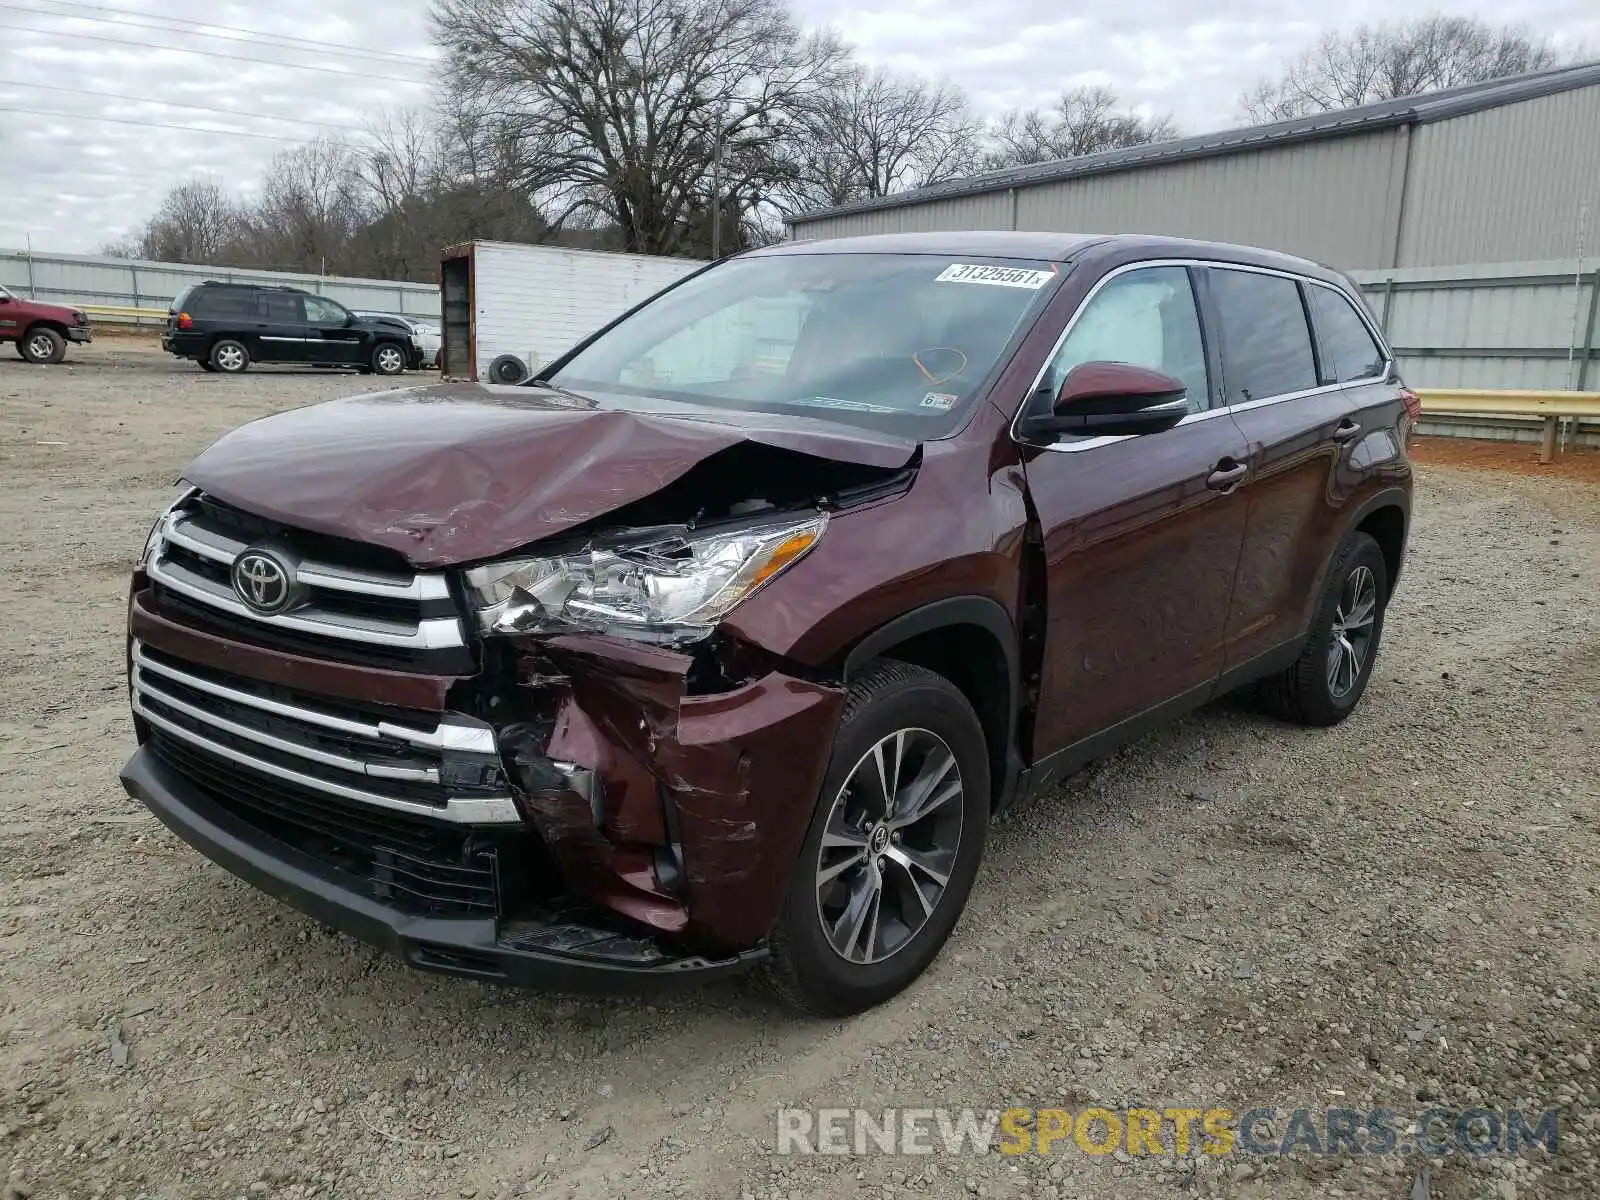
(701, 801)
(657, 816)
(553, 947)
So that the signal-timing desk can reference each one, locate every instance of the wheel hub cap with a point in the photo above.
(1350, 640)
(889, 846)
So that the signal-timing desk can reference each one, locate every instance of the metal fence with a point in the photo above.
(1529, 326)
(94, 281)
(1514, 325)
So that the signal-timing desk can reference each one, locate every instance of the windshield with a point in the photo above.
(901, 343)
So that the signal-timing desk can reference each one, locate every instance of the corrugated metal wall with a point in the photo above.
(990, 211)
(1508, 184)
(84, 279)
(1335, 200)
(1505, 185)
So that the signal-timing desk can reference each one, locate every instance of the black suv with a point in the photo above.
(227, 326)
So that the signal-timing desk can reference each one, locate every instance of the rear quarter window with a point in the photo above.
(222, 302)
(1349, 351)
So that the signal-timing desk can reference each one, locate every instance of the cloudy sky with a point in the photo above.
(73, 178)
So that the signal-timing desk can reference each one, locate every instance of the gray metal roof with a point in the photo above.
(984, 243)
(1411, 110)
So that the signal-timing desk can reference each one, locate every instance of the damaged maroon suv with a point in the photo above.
(721, 642)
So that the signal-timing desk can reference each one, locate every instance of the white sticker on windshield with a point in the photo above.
(1020, 277)
(940, 400)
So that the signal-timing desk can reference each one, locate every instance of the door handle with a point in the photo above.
(1225, 478)
(1346, 430)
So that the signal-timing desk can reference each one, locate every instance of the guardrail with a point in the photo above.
(1551, 407)
(116, 312)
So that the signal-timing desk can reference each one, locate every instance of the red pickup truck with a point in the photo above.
(41, 331)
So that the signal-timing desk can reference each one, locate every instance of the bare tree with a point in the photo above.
(311, 206)
(875, 133)
(615, 106)
(1391, 60)
(1085, 120)
(197, 222)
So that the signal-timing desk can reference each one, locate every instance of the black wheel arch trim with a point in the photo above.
(950, 613)
(1388, 498)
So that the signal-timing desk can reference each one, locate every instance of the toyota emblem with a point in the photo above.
(263, 581)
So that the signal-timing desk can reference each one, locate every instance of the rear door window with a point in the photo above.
(1266, 341)
(1349, 351)
(282, 308)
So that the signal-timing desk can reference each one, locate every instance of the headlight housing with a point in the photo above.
(153, 538)
(659, 585)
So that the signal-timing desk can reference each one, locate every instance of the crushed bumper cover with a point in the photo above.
(727, 780)
(558, 951)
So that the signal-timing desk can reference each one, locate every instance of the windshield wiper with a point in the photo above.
(558, 389)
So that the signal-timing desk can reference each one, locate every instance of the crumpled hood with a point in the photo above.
(457, 472)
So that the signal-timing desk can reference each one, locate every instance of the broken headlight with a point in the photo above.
(665, 584)
(153, 539)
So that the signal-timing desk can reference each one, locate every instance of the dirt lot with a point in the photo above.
(1231, 913)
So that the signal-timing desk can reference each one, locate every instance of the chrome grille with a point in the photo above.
(361, 612)
(446, 768)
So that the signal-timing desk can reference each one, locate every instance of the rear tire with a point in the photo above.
(229, 357)
(388, 359)
(906, 876)
(42, 346)
(1328, 680)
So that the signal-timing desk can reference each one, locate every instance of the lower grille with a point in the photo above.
(409, 863)
(439, 767)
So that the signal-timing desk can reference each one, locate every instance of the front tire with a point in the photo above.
(388, 359)
(1328, 680)
(893, 848)
(42, 346)
(229, 357)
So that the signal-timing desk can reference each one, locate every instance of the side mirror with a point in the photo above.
(5, 299)
(1110, 399)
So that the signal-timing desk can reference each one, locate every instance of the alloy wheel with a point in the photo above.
(889, 846)
(389, 360)
(1351, 640)
(230, 358)
(41, 346)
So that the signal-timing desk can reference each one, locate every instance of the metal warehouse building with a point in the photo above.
(1500, 172)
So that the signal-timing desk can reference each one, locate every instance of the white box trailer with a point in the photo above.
(510, 308)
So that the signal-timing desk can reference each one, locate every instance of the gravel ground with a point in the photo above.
(1230, 913)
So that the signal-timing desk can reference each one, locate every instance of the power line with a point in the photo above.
(353, 73)
(226, 112)
(175, 25)
(44, 112)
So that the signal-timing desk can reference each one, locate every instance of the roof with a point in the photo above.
(1051, 247)
(1387, 114)
(981, 243)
